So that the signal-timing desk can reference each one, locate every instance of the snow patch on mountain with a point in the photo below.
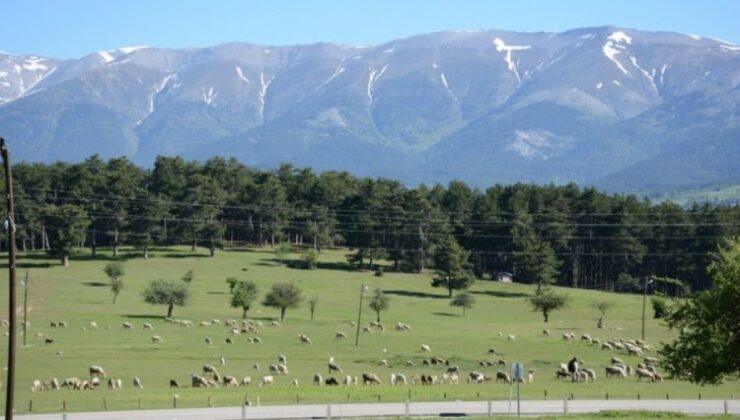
(692, 36)
(264, 85)
(620, 36)
(372, 79)
(507, 50)
(34, 64)
(339, 70)
(209, 95)
(612, 48)
(106, 56)
(129, 50)
(241, 75)
(649, 76)
(538, 144)
(729, 48)
(599, 85)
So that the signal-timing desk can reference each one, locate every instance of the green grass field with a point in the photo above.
(79, 294)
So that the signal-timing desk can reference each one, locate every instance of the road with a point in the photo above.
(471, 408)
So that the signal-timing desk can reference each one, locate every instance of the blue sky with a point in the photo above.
(73, 28)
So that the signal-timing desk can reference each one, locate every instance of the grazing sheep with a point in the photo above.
(402, 327)
(651, 360)
(366, 329)
(282, 369)
(635, 351)
(503, 377)
(560, 374)
(317, 379)
(500, 335)
(137, 382)
(502, 362)
(453, 369)
(230, 381)
(398, 379)
(348, 380)
(246, 381)
(615, 371)
(409, 363)
(492, 351)
(274, 369)
(658, 377)
(258, 340)
(282, 359)
(511, 337)
(530, 376)
(275, 323)
(644, 373)
(606, 346)
(473, 377)
(52, 324)
(333, 367)
(586, 337)
(617, 345)
(197, 381)
(49, 340)
(383, 362)
(339, 335)
(353, 323)
(93, 324)
(148, 326)
(546, 332)
(591, 374)
(209, 341)
(97, 371)
(36, 385)
(85, 385)
(267, 380)
(71, 383)
(566, 336)
(128, 326)
(425, 348)
(174, 383)
(210, 369)
(229, 340)
(437, 360)
(616, 360)
(370, 379)
(331, 381)
(295, 382)
(304, 339)
(156, 339)
(256, 366)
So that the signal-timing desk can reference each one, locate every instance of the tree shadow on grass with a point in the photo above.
(32, 265)
(408, 293)
(95, 284)
(189, 255)
(217, 293)
(446, 314)
(497, 293)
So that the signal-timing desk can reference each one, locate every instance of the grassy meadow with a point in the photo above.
(79, 294)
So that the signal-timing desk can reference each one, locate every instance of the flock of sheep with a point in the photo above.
(450, 373)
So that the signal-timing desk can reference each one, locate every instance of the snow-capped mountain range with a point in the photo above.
(619, 108)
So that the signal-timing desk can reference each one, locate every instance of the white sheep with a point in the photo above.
(97, 371)
(137, 382)
(128, 326)
(339, 335)
(246, 381)
(148, 326)
(426, 348)
(317, 379)
(295, 382)
(267, 380)
(511, 337)
(156, 339)
(398, 379)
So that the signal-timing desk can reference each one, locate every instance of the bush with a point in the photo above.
(311, 259)
(379, 272)
(660, 307)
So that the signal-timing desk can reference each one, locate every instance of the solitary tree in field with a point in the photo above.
(546, 301)
(452, 269)
(232, 282)
(379, 302)
(463, 300)
(283, 296)
(114, 271)
(282, 251)
(707, 348)
(160, 292)
(312, 304)
(243, 294)
(311, 258)
(602, 306)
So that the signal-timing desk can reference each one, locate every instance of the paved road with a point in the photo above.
(700, 407)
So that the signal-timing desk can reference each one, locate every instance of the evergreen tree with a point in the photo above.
(451, 267)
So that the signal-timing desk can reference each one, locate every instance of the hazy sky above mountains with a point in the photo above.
(71, 29)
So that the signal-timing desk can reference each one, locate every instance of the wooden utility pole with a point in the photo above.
(25, 308)
(10, 228)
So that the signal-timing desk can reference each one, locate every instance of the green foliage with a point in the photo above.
(115, 270)
(463, 300)
(379, 272)
(188, 277)
(311, 259)
(243, 293)
(232, 282)
(312, 304)
(707, 348)
(546, 300)
(660, 307)
(66, 225)
(603, 306)
(282, 251)
(161, 292)
(283, 296)
(452, 269)
(379, 302)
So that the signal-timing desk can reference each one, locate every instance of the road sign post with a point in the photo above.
(517, 375)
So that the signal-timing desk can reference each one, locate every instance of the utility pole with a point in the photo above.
(10, 228)
(644, 302)
(359, 315)
(25, 308)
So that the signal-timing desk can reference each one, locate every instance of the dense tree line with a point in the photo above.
(567, 235)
